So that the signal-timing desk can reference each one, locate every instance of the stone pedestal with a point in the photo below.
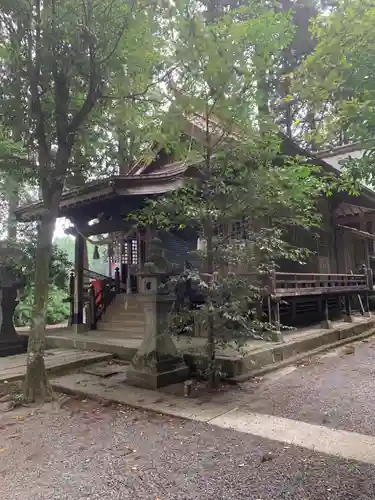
(10, 342)
(80, 328)
(157, 362)
(326, 322)
(276, 336)
(10, 282)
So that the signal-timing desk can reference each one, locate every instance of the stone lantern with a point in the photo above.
(10, 283)
(157, 362)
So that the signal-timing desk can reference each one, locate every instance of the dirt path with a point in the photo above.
(87, 451)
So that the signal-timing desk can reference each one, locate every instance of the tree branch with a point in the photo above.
(119, 36)
(34, 78)
(92, 96)
(22, 162)
(61, 89)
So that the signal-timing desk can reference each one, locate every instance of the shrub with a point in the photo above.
(57, 307)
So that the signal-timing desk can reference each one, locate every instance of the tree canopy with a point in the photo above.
(336, 81)
(87, 87)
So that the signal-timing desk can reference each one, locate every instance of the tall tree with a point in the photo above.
(337, 79)
(236, 184)
(275, 77)
(295, 119)
(69, 55)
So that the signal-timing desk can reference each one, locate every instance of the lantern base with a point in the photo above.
(13, 345)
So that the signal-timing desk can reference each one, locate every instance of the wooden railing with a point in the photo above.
(298, 284)
(99, 298)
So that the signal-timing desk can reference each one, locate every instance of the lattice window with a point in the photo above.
(117, 251)
(134, 252)
(219, 230)
(240, 230)
(124, 253)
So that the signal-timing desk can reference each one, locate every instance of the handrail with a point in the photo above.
(280, 273)
(109, 289)
(97, 307)
(94, 275)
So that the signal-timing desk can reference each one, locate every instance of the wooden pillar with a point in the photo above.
(117, 279)
(370, 279)
(333, 203)
(276, 335)
(326, 323)
(365, 242)
(79, 283)
(142, 249)
(370, 229)
(348, 310)
(367, 311)
(340, 251)
(92, 308)
(370, 286)
(71, 297)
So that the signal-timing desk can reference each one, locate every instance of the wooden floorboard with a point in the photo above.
(13, 367)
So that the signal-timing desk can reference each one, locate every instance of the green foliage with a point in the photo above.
(239, 194)
(59, 266)
(64, 66)
(24, 267)
(58, 308)
(337, 83)
(66, 245)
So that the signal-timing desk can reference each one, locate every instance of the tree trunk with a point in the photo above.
(262, 95)
(13, 198)
(211, 345)
(36, 386)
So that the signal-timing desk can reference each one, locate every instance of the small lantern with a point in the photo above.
(110, 250)
(96, 255)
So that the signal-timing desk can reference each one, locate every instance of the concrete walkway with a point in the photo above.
(339, 443)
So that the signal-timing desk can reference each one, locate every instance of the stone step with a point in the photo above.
(123, 313)
(131, 299)
(119, 306)
(122, 310)
(123, 324)
(112, 331)
(123, 317)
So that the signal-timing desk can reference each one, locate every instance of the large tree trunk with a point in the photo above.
(211, 340)
(13, 198)
(36, 387)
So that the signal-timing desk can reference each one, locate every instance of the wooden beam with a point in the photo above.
(104, 226)
(357, 232)
(79, 282)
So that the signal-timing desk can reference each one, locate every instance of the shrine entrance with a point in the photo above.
(129, 255)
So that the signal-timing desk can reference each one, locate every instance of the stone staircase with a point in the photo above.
(124, 318)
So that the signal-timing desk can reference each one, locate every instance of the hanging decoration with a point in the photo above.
(96, 255)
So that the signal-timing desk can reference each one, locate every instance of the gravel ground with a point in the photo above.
(335, 389)
(86, 451)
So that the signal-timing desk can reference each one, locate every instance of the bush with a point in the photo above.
(57, 309)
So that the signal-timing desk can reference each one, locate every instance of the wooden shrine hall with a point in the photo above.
(338, 271)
